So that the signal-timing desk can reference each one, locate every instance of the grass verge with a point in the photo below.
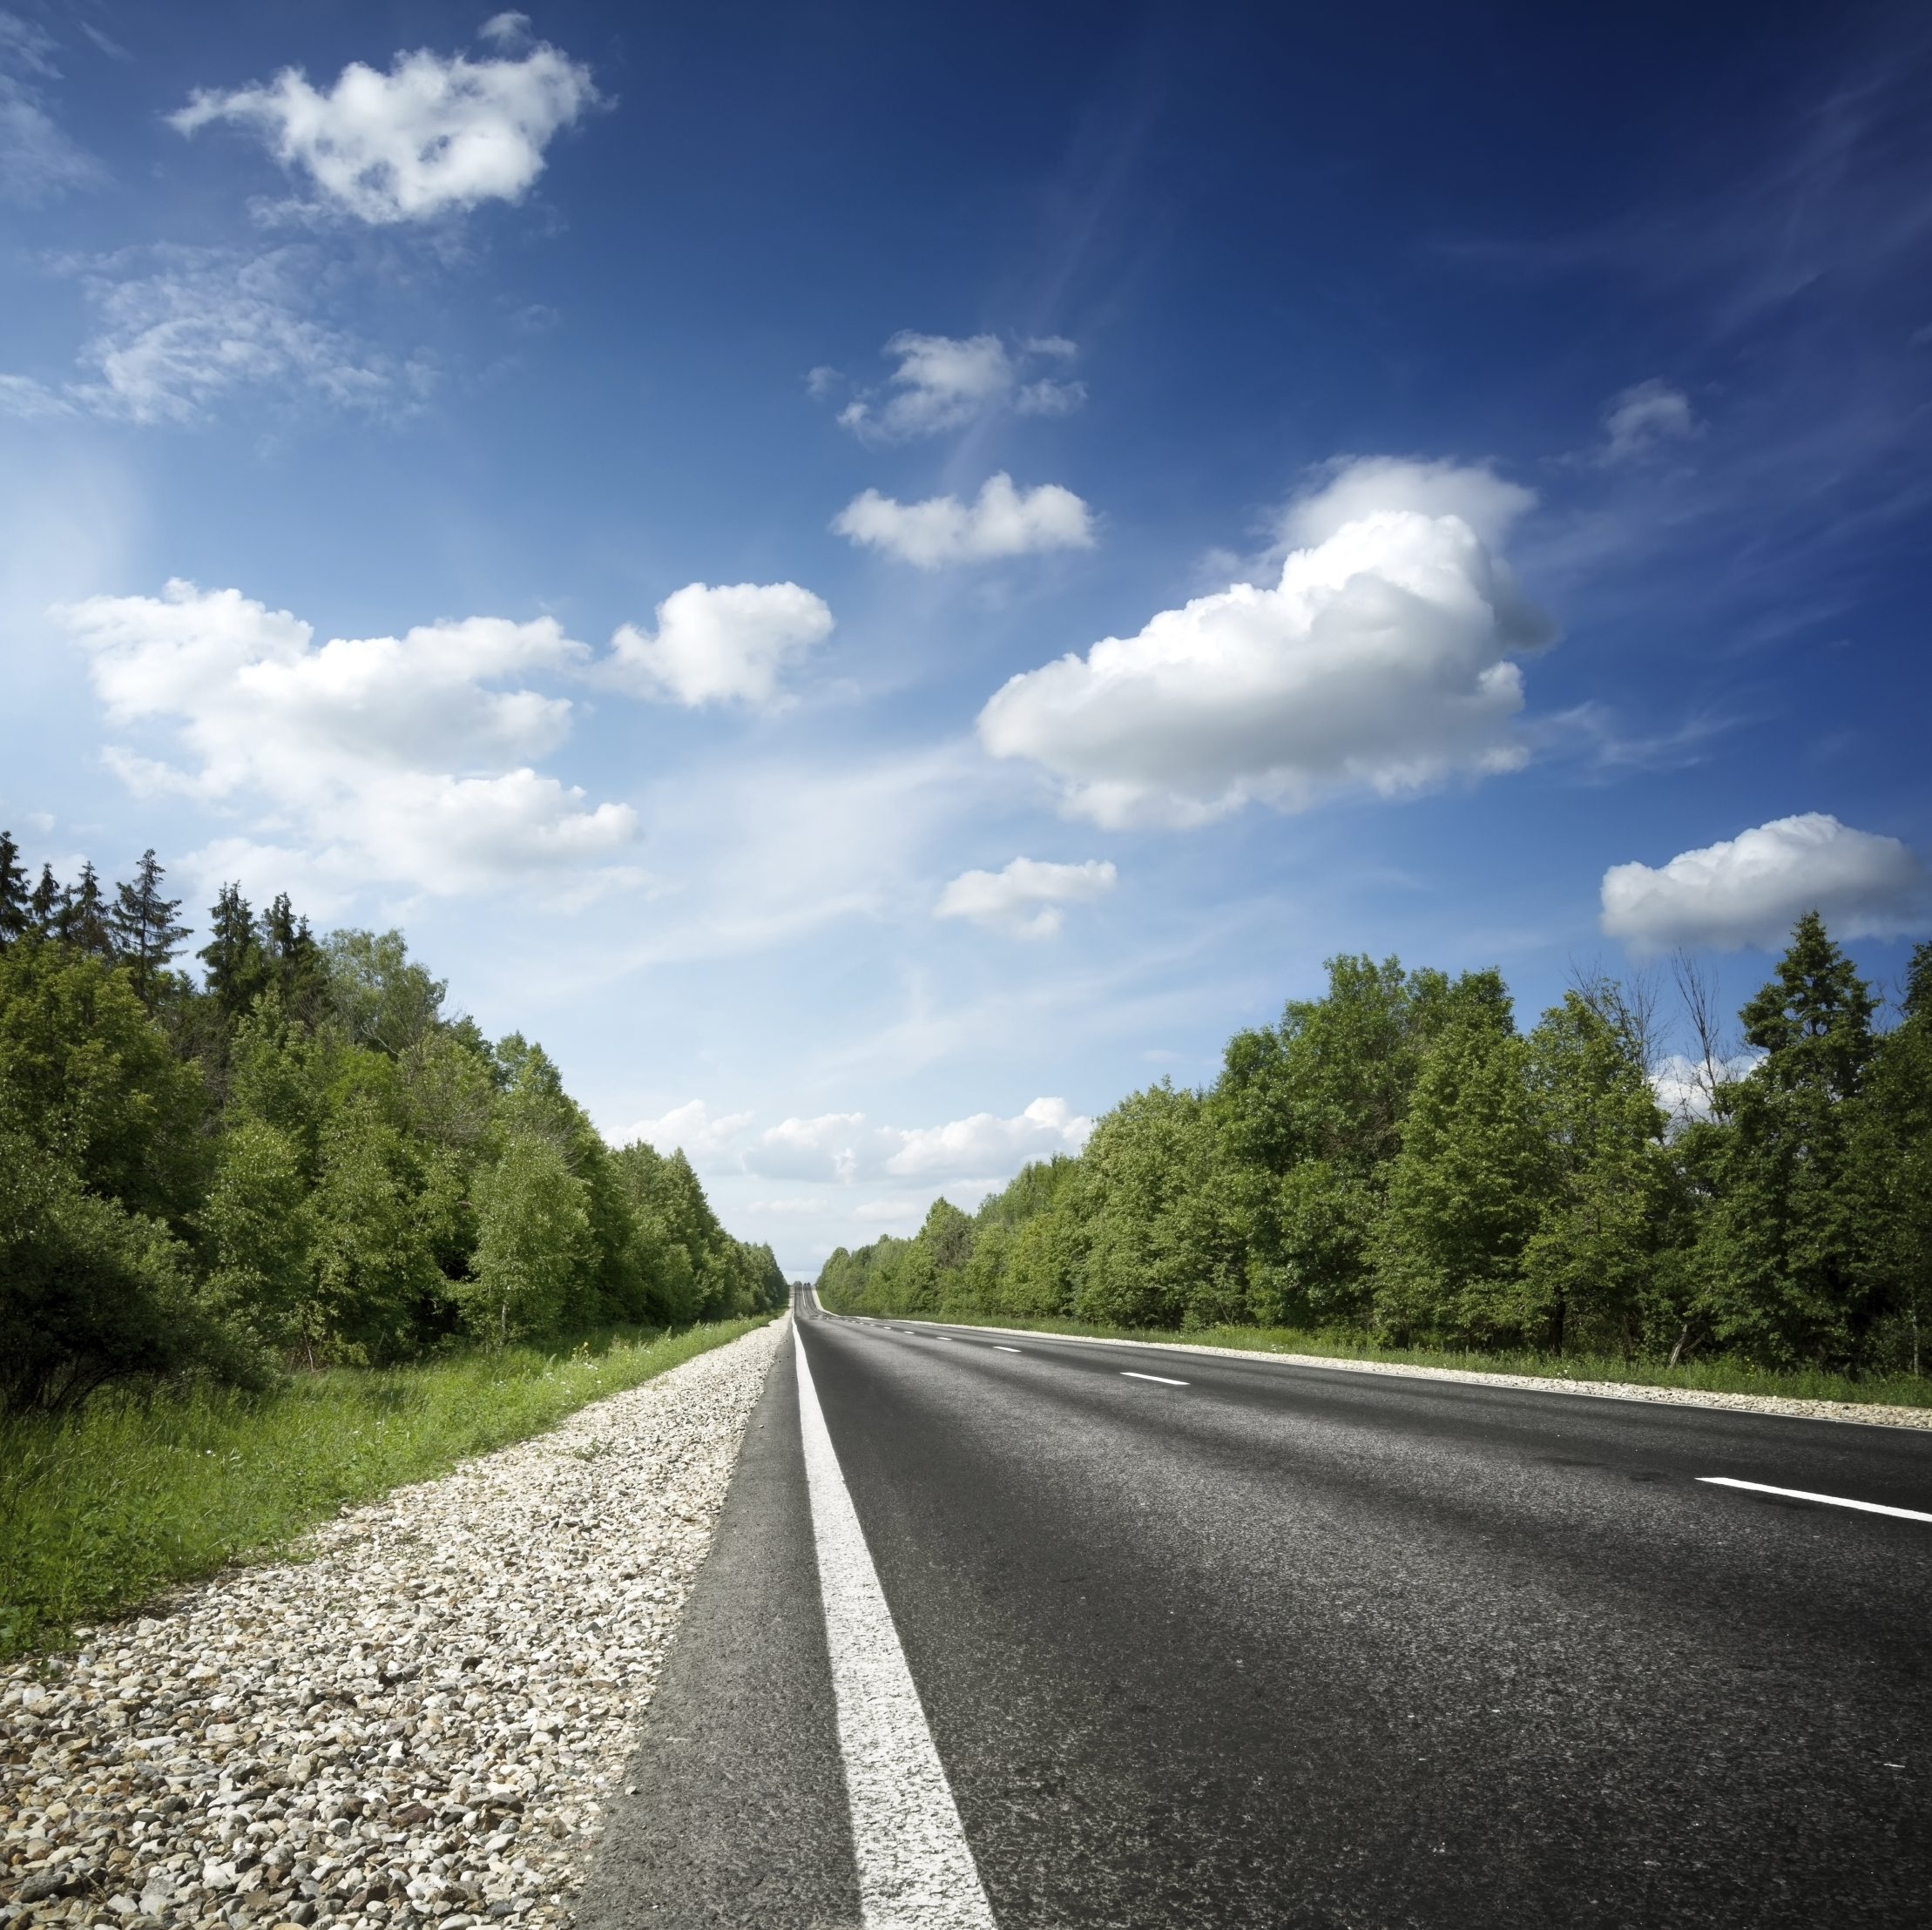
(101, 1509)
(1715, 1376)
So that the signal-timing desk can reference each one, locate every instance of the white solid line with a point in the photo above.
(1164, 1381)
(915, 1868)
(997, 1348)
(1830, 1501)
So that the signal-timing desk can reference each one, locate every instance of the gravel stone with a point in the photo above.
(422, 1723)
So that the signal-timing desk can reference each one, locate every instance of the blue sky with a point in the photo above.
(878, 578)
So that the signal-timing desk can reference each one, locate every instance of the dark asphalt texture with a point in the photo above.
(1296, 1646)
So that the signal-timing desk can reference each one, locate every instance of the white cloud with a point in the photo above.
(1023, 900)
(1001, 522)
(693, 1126)
(834, 1147)
(207, 322)
(1683, 1085)
(383, 758)
(1643, 417)
(945, 381)
(38, 163)
(1381, 658)
(1748, 890)
(983, 1145)
(713, 645)
(430, 135)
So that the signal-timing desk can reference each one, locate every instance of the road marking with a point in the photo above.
(915, 1868)
(999, 1348)
(1129, 1375)
(1801, 1494)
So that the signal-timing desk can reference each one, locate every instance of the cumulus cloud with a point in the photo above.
(693, 1126)
(1748, 890)
(1643, 418)
(838, 1147)
(38, 163)
(945, 381)
(386, 758)
(1383, 657)
(1001, 522)
(719, 645)
(430, 136)
(1024, 900)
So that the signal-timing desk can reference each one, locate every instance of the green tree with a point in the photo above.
(146, 937)
(1893, 1158)
(1466, 1191)
(1598, 1269)
(533, 1241)
(382, 996)
(237, 973)
(15, 906)
(1783, 1271)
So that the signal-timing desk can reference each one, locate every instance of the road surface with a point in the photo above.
(1195, 1640)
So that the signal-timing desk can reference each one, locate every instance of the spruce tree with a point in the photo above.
(237, 971)
(293, 960)
(1786, 1274)
(86, 922)
(45, 909)
(145, 930)
(15, 912)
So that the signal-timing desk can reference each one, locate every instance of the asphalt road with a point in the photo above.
(1288, 1646)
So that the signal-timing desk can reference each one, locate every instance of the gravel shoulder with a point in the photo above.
(423, 1721)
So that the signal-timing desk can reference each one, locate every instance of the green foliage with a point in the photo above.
(1395, 1163)
(303, 1159)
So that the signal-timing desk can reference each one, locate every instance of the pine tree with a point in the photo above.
(145, 930)
(46, 906)
(86, 922)
(237, 971)
(1782, 1256)
(16, 915)
(294, 959)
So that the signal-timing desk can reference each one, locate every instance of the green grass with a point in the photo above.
(1715, 1376)
(103, 1508)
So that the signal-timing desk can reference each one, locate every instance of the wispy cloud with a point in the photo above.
(1024, 900)
(38, 163)
(945, 381)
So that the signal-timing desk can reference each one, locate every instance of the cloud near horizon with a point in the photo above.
(837, 1148)
(430, 136)
(1001, 522)
(1023, 900)
(1383, 657)
(1750, 889)
(349, 754)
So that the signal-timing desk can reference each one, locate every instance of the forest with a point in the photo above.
(299, 1158)
(1399, 1163)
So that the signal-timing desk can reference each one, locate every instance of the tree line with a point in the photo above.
(301, 1157)
(1397, 1161)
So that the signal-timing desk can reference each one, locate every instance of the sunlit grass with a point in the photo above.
(103, 1508)
(1714, 1376)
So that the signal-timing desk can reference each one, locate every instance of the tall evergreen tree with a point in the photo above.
(145, 930)
(1894, 1170)
(45, 907)
(16, 908)
(86, 920)
(1785, 1273)
(294, 960)
(237, 970)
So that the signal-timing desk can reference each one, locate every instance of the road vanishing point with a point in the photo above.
(1024, 1630)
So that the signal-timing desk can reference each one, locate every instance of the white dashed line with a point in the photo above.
(1129, 1375)
(1801, 1494)
(915, 1868)
(997, 1348)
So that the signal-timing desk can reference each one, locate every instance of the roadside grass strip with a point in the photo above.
(915, 1868)
(102, 1509)
(1803, 1494)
